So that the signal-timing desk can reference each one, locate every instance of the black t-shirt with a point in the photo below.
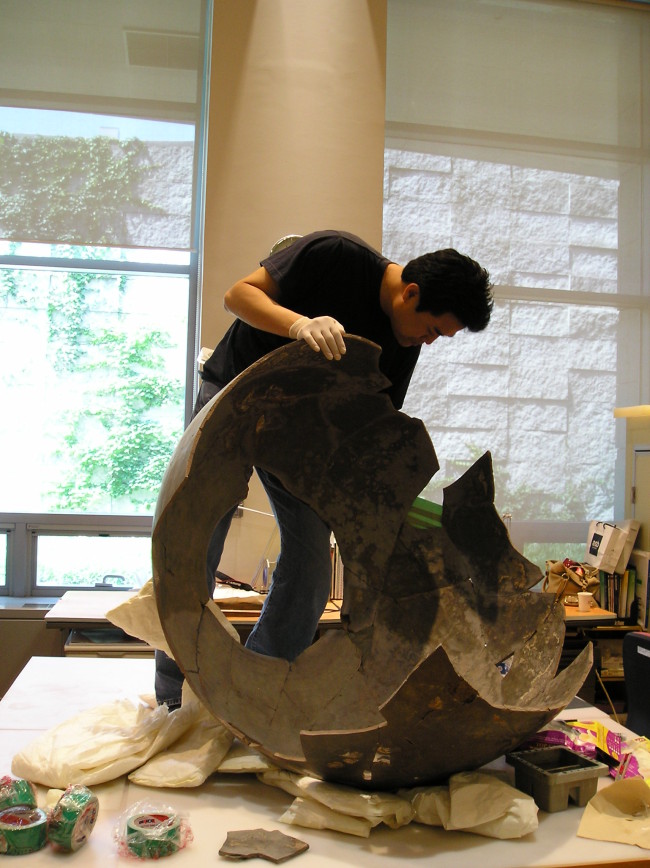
(325, 273)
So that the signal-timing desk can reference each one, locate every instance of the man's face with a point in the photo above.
(412, 327)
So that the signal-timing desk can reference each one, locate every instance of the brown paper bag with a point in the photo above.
(619, 812)
(566, 579)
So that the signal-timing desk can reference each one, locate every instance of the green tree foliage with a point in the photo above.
(53, 186)
(120, 444)
(116, 443)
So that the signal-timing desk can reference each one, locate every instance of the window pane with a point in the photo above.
(537, 389)
(494, 146)
(530, 226)
(95, 179)
(100, 102)
(102, 120)
(3, 559)
(93, 391)
(73, 561)
(539, 553)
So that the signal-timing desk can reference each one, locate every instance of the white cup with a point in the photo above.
(584, 601)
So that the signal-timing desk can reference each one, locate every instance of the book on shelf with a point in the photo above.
(621, 603)
(640, 560)
(609, 591)
(618, 591)
(336, 590)
(631, 592)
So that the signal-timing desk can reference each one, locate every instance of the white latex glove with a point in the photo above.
(322, 333)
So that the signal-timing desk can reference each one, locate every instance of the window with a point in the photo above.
(3, 559)
(515, 133)
(101, 142)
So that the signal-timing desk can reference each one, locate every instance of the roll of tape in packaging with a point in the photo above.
(73, 818)
(23, 830)
(150, 836)
(16, 791)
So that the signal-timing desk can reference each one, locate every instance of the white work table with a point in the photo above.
(50, 690)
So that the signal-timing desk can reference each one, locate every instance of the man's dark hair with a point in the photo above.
(451, 282)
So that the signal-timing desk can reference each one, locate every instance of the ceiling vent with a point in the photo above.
(162, 50)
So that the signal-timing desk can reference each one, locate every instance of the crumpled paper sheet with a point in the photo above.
(100, 744)
(620, 813)
(157, 747)
(139, 617)
(244, 760)
(192, 758)
(313, 815)
(373, 808)
(476, 802)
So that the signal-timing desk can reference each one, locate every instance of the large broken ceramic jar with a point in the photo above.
(412, 688)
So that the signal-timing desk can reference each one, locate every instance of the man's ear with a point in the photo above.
(411, 292)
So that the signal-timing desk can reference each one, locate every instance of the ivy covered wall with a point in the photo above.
(99, 190)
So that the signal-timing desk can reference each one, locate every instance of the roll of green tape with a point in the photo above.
(73, 818)
(150, 836)
(23, 830)
(16, 791)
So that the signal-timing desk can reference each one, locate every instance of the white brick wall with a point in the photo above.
(536, 388)
(167, 187)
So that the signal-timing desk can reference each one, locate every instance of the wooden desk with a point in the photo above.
(51, 690)
(86, 610)
(89, 608)
(592, 618)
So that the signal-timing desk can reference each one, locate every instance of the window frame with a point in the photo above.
(22, 529)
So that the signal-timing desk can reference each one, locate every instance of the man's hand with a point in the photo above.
(322, 333)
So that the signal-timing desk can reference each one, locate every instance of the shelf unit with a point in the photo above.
(607, 643)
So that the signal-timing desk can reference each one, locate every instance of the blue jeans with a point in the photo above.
(300, 584)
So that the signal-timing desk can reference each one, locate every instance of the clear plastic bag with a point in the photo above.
(147, 830)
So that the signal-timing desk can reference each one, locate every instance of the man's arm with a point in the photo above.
(253, 300)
